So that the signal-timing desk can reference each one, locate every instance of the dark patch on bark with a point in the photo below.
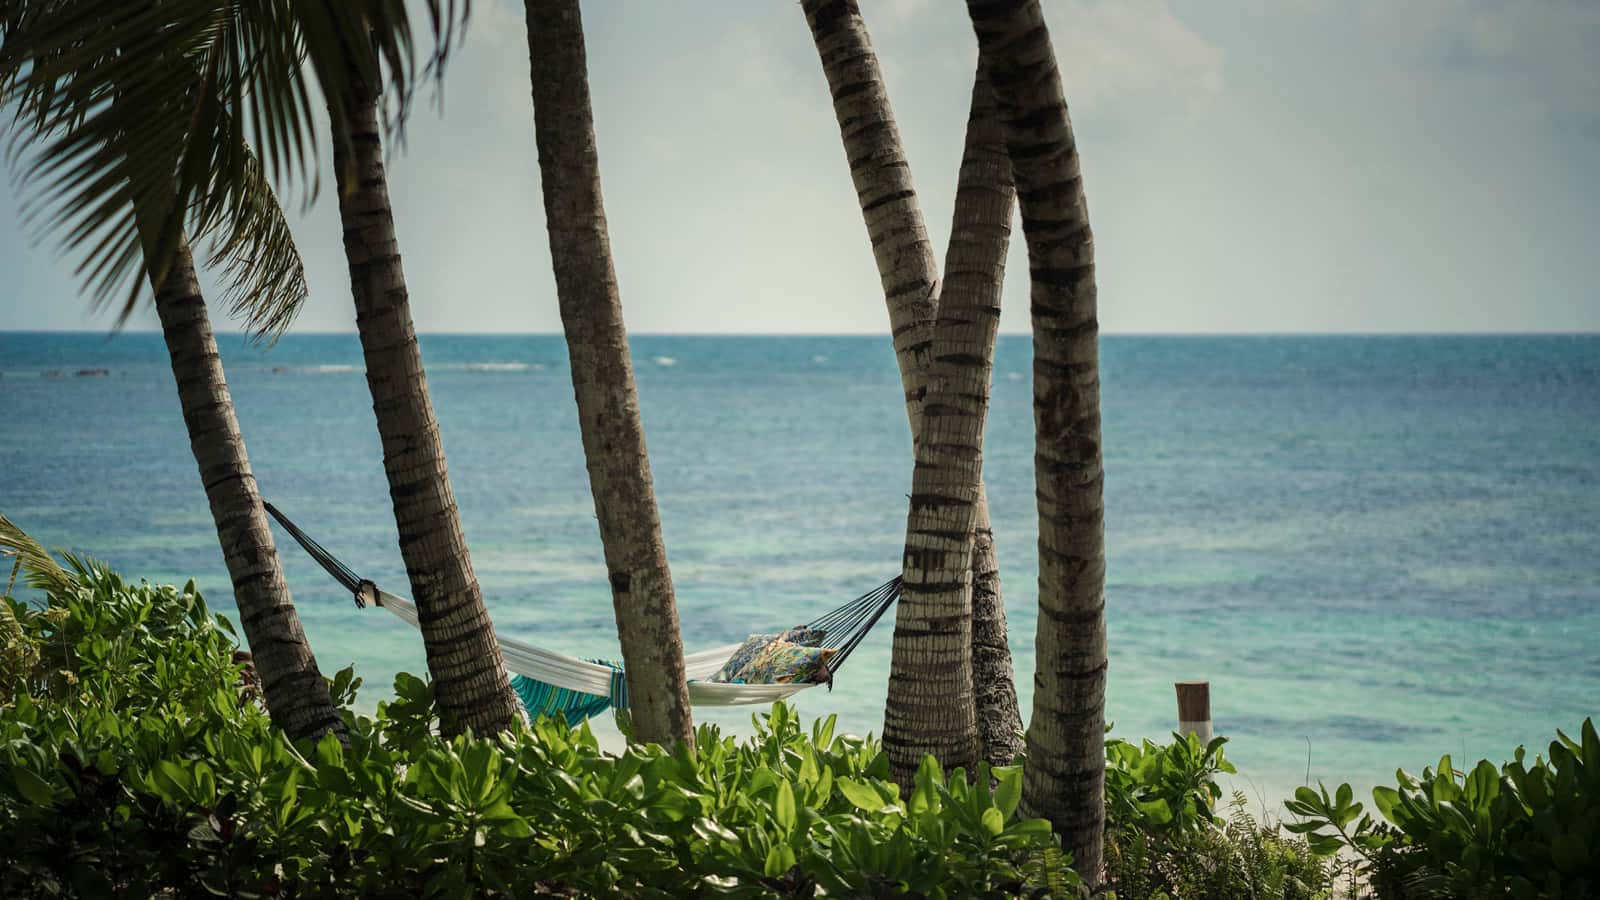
(827, 15)
(850, 90)
(887, 199)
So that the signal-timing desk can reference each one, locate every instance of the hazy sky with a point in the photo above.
(1258, 165)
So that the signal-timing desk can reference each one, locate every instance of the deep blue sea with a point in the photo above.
(1377, 549)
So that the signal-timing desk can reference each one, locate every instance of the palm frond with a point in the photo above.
(157, 104)
(105, 121)
(39, 568)
(265, 278)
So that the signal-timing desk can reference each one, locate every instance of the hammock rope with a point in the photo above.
(555, 683)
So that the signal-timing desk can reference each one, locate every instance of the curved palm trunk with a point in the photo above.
(931, 670)
(947, 486)
(469, 676)
(602, 376)
(1065, 779)
(994, 683)
(907, 266)
(974, 273)
(295, 692)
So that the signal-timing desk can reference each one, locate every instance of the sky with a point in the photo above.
(1251, 166)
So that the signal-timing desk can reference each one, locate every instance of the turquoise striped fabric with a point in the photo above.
(575, 706)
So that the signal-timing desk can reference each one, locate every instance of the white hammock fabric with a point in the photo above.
(575, 674)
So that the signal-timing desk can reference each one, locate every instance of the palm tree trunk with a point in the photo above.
(469, 676)
(994, 684)
(602, 376)
(295, 692)
(1065, 779)
(974, 273)
(907, 267)
(909, 274)
(947, 487)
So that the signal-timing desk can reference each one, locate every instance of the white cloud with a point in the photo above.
(1282, 165)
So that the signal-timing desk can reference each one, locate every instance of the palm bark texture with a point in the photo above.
(950, 562)
(602, 376)
(1065, 780)
(469, 676)
(295, 692)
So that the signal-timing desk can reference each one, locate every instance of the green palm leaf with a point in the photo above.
(155, 105)
(39, 568)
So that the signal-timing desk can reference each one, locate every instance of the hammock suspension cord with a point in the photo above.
(570, 685)
(329, 563)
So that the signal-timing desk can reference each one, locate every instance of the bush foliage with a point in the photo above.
(1521, 830)
(1165, 838)
(133, 759)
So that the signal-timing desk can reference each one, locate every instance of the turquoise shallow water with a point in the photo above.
(1377, 549)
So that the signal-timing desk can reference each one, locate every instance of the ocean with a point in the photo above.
(1376, 549)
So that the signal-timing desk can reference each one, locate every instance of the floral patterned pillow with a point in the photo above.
(754, 644)
(788, 665)
(783, 662)
(804, 635)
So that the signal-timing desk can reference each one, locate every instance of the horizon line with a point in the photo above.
(110, 334)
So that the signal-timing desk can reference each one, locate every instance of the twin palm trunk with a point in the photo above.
(958, 403)
(296, 695)
(602, 376)
(1065, 779)
(469, 676)
(951, 691)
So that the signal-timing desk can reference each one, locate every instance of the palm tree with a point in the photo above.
(602, 376)
(81, 152)
(907, 266)
(950, 634)
(251, 61)
(243, 76)
(1065, 779)
(932, 667)
(974, 272)
(296, 694)
(464, 658)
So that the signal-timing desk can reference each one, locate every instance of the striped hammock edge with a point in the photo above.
(563, 671)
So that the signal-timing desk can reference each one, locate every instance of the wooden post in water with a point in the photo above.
(1194, 709)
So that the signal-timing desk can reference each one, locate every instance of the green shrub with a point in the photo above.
(1235, 859)
(134, 760)
(1518, 831)
(123, 679)
(1165, 839)
(1168, 787)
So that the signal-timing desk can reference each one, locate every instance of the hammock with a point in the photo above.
(550, 683)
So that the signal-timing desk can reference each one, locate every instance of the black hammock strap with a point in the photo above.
(843, 629)
(330, 563)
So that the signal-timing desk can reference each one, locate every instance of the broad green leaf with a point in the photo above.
(864, 796)
(1156, 811)
(709, 829)
(783, 807)
(35, 789)
(822, 736)
(516, 828)
(1030, 828)
(1386, 799)
(1008, 792)
(780, 859)
(173, 778)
